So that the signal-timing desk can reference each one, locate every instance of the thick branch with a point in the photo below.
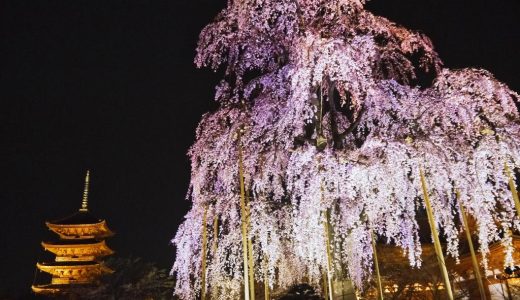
(338, 141)
(354, 125)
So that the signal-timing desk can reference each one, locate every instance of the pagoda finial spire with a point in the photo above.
(84, 202)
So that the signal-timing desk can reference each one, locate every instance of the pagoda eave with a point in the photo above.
(78, 251)
(53, 289)
(75, 270)
(47, 289)
(83, 231)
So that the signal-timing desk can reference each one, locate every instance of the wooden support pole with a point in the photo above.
(376, 263)
(512, 187)
(251, 268)
(476, 268)
(203, 253)
(325, 286)
(436, 241)
(267, 295)
(215, 234)
(215, 241)
(329, 255)
(243, 216)
(250, 249)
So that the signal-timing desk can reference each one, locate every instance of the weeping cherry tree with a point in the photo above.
(331, 113)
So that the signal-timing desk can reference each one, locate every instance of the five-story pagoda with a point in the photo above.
(79, 251)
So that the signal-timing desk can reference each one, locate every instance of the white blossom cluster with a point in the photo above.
(337, 123)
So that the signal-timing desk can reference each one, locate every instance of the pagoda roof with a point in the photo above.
(69, 263)
(80, 225)
(58, 268)
(54, 290)
(74, 242)
(78, 249)
(78, 218)
(48, 289)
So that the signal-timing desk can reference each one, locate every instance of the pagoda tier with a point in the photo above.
(74, 273)
(47, 289)
(84, 250)
(80, 225)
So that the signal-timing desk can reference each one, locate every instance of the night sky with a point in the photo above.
(111, 86)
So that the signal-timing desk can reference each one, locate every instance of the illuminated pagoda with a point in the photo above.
(78, 252)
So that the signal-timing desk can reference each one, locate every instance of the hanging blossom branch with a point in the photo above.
(336, 120)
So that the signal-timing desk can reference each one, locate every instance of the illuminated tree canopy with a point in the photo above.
(340, 109)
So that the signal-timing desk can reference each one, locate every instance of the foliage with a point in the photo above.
(133, 279)
(337, 116)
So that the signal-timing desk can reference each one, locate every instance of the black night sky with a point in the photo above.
(111, 86)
